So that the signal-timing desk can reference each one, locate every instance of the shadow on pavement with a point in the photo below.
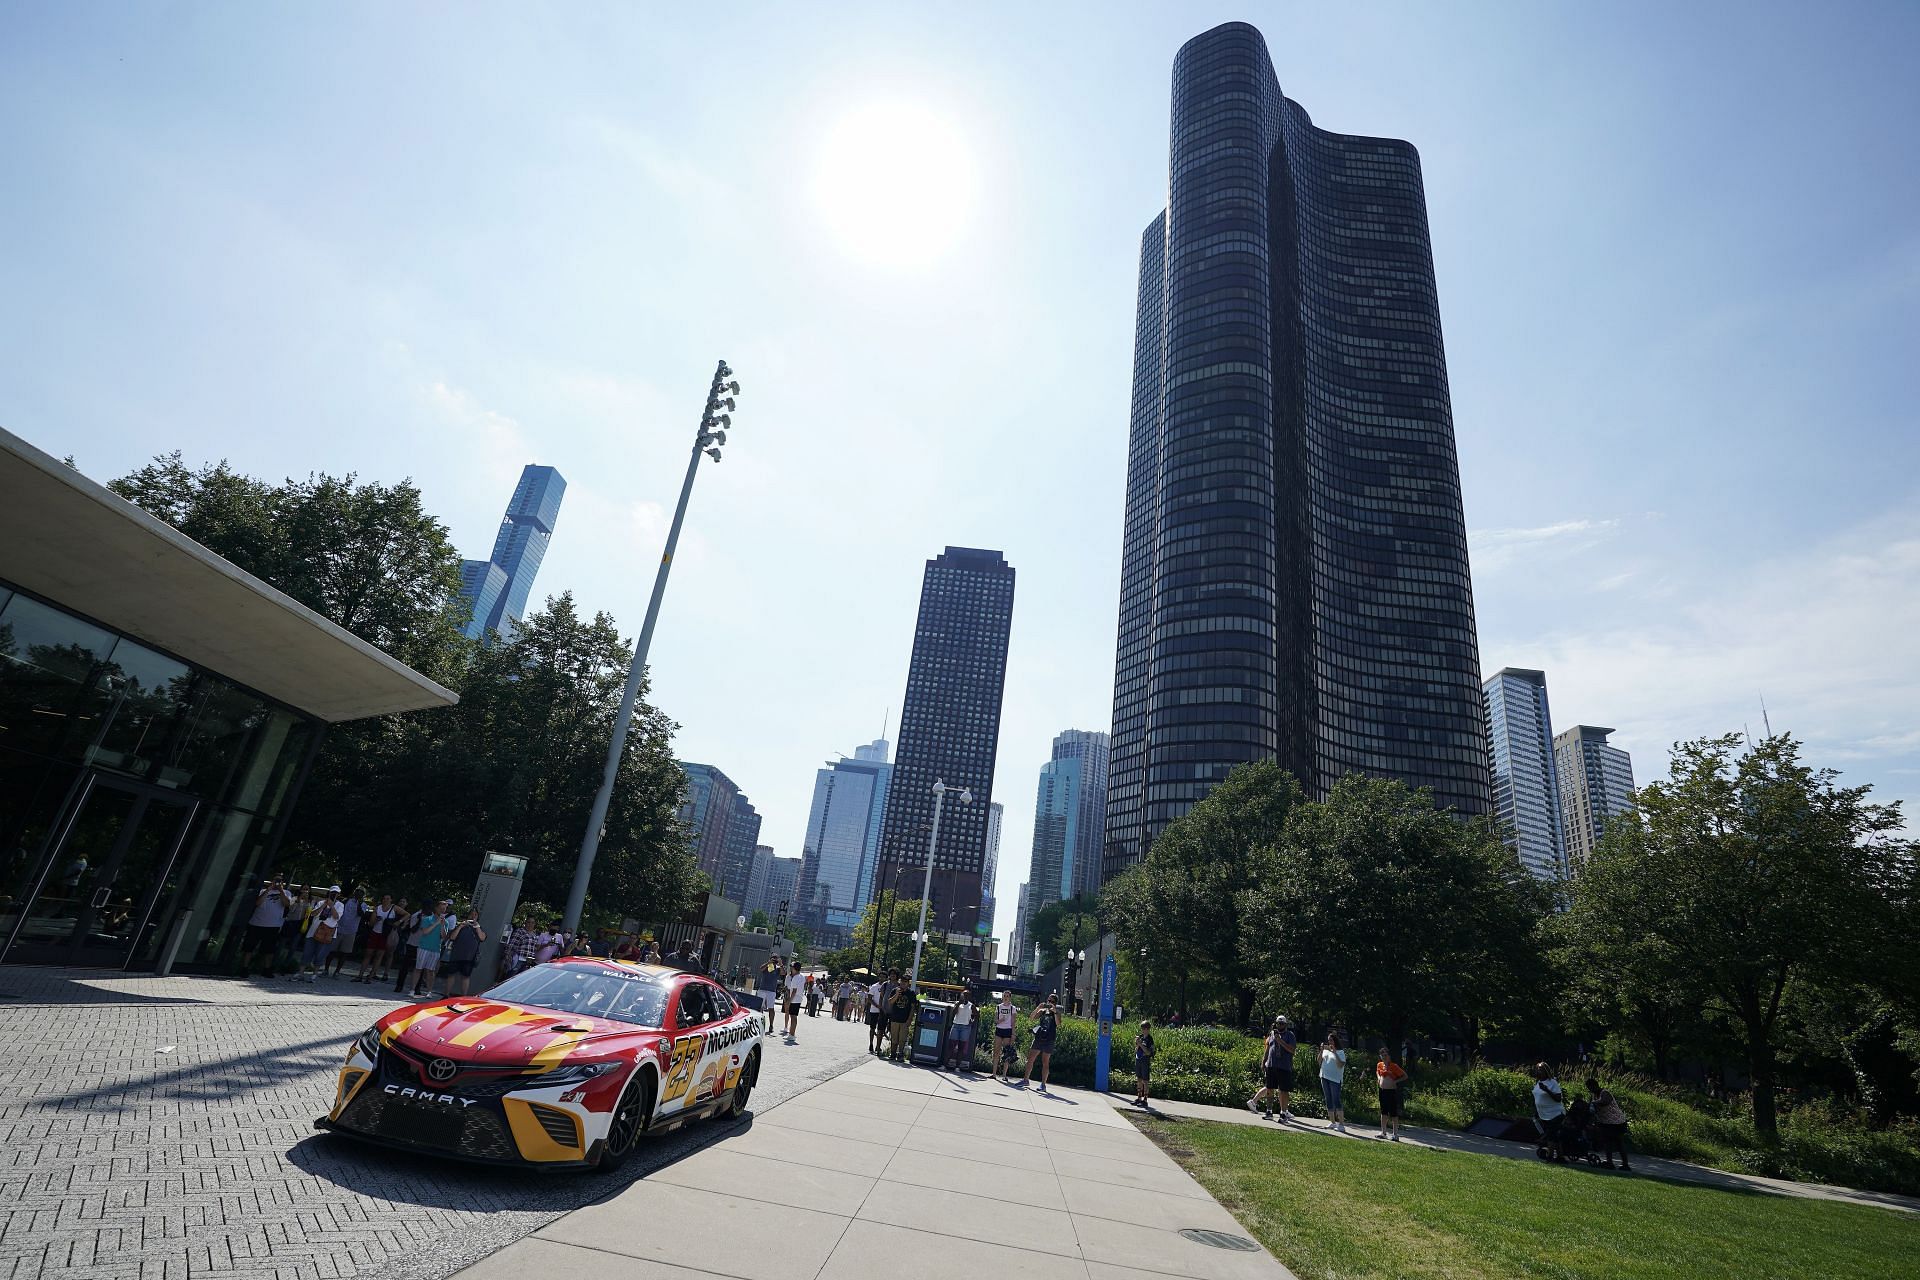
(200, 1082)
(404, 1177)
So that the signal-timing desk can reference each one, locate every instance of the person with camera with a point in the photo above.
(1550, 1105)
(264, 925)
(1333, 1076)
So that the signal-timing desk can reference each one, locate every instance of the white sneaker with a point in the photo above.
(1285, 1117)
(1253, 1106)
(1396, 1137)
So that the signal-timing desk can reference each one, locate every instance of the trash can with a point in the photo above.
(930, 1033)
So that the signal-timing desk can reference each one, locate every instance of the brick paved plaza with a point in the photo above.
(163, 1128)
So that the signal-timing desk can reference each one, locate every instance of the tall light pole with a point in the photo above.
(940, 790)
(712, 433)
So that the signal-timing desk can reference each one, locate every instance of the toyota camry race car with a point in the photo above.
(563, 1065)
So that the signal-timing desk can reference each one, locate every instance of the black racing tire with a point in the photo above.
(742, 1089)
(631, 1117)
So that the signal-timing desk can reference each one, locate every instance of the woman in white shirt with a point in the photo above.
(1003, 1058)
(960, 1039)
(1333, 1073)
(796, 992)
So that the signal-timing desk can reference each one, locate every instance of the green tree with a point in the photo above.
(1757, 872)
(885, 932)
(412, 801)
(1384, 911)
(1186, 899)
(1057, 925)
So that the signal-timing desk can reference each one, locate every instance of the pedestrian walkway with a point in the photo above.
(1644, 1166)
(893, 1170)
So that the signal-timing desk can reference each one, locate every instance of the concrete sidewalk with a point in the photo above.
(891, 1170)
(1644, 1166)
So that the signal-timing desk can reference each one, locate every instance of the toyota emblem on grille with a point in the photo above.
(441, 1069)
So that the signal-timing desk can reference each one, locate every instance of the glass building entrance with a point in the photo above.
(140, 796)
(99, 881)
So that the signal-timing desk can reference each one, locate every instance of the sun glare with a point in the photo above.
(895, 183)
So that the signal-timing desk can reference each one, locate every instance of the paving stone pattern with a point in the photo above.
(162, 1128)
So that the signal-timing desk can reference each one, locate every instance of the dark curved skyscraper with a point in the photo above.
(1294, 580)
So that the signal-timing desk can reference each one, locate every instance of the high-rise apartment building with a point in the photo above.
(949, 731)
(1068, 814)
(1017, 940)
(1526, 793)
(990, 868)
(497, 588)
(842, 844)
(724, 828)
(1294, 580)
(782, 893)
(1596, 782)
(754, 899)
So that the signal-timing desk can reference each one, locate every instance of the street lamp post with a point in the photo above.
(1143, 979)
(712, 433)
(940, 790)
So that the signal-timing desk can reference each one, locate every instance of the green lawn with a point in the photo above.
(1335, 1210)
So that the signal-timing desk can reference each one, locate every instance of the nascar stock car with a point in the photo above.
(563, 1065)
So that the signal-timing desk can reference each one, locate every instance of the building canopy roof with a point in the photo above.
(82, 546)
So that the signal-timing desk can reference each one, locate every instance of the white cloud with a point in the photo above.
(1829, 637)
(1492, 550)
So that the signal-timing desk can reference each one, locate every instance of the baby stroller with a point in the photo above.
(1571, 1140)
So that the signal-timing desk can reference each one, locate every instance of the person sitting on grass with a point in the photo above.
(1392, 1079)
(1142, 1064)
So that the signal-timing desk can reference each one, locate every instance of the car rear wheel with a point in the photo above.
(630, 1116)
(743, 1088)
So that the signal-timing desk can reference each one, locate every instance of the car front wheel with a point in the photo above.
(630, 1117)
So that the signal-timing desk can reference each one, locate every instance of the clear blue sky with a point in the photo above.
(1678, 250)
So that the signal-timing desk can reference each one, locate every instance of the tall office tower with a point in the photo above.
(843, 837)
(755, 898)
(724, 828)
(1294, 580)
(990, 868)
(1596, 782)
(1017, 940)
(497, 588)
(1526, 793)
(949, 731)
(783, 887)
(1068, 815)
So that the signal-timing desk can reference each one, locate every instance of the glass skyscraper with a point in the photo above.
(1294, 580)
(1526, 793)
(1068, 816)
(497, 588)
(723, 827)
(843, 837)
(1596, 782)
(950, 731)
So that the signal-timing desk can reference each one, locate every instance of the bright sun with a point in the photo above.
(895, 183)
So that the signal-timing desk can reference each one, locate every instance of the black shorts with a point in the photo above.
(458, 968)
(874, 1019)
(792, 1008)
(1143, 1068)
(1280, 1078)
(262, 937)
(1043, 1044)
(1390, 1102)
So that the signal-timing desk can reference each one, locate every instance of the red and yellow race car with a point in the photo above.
(563, 1065)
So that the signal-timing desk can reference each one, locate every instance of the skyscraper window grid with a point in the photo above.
(1294, 561)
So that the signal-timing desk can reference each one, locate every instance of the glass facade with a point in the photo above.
(1526, 793)
(949, 731)
(725, 828)
(140, 796)
(497, 589)
(1294, 580)
(1596, 782)
(843, 839)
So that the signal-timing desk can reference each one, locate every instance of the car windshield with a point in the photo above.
(591, 990)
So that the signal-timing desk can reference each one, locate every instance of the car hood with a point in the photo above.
(497, 1033)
